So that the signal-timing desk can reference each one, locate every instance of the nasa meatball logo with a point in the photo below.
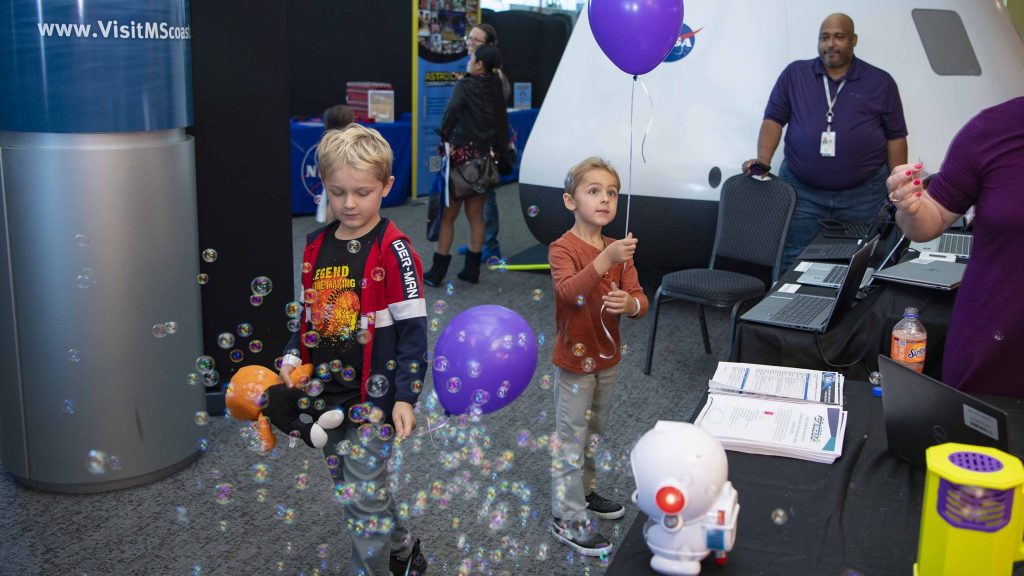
(310, 173)
(684, 44)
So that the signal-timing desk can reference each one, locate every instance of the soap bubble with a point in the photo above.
(205, 364)
(256, 300)
(294, 325)
(441, 363)
(579, 349)
(244, 329)
(224, 493)
(293, 309)
(377, 386)
(998, 336)
(306, 267)
(545, 382)
(311, 339)
(69, 406)
(85, 279)
(588, 364)
(256, 346)
(581, 300)
(533, 211)
(81, 240)
(171, 327)
(73, 355)
(261, 285)
(875, 378)
(354, 246)
(537, 295)
(159, 330)
(481, 397)
(779, 516)
(449, 289)
(454, 384)
(202, 418)
(97, 462)
(377, 274)
(363, 337)
(225, 340)
(209, 255)
(493, 262)
(236, 355)
(203, 278)
(211, 378)
(192, 379)
(624, 349)
(440, 306)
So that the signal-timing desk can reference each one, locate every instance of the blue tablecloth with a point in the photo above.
(306, 134)
(306, 180)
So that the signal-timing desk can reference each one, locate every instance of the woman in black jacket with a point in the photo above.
(475, 124)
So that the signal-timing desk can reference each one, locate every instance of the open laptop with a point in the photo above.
(925, 272)
(813, 313)
(920, 411)
(950, 243)
(831, 275)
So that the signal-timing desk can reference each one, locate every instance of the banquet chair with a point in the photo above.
(753, 218)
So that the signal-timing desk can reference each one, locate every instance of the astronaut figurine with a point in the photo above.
(681, 485)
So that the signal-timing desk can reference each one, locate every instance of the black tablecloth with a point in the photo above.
(856, 339)
(860, 514)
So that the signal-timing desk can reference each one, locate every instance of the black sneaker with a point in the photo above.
(604, 508)
(414, 565)
(592, 545)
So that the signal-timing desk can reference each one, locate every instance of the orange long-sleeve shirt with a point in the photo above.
(578, 291)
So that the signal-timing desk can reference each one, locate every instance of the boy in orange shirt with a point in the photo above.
(593, 286)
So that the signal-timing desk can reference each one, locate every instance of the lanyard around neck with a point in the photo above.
(830, 99)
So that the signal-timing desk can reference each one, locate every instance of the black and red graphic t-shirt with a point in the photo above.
(334, 314)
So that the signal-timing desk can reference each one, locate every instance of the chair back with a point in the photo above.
(753, 219)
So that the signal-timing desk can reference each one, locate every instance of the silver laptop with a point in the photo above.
(812, 313)
(937, 274)
(958, 245)
(822, 274)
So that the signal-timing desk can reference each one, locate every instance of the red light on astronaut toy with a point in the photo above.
(670, 500)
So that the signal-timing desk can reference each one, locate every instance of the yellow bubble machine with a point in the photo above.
(972, 520)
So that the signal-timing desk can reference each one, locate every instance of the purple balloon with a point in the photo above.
(486, 357)
(636, 35)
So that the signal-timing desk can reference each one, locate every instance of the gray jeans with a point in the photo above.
(582, 403)
(373, 525)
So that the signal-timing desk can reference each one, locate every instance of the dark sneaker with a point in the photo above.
(591, 545)
(414, 565)
(603, 508)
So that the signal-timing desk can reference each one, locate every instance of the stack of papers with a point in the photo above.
(776, 411)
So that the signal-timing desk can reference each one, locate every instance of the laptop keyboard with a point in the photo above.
(802, 309)
(835, 251)
(836, 275)
(955, 244)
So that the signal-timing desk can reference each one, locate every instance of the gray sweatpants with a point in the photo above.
(361, 485)
(582, 404)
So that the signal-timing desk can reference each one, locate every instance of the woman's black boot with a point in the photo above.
(435, 275)
(471, 272)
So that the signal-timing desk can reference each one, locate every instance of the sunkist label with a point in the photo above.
(908, 352)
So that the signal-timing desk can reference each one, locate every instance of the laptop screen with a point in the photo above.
(920, 412)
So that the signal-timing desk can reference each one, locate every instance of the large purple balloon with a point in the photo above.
(485, 357)
(636, 35)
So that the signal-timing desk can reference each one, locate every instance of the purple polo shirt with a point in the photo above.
(984, 167)
(867, 114)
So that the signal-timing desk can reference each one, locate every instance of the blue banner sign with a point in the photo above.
(79, 66)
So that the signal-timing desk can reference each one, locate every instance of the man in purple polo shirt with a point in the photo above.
(984, 168)
(846, 131)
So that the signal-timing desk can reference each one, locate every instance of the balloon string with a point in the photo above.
(650, 122)
(629, 197)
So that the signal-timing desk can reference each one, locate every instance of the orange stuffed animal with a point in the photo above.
(257, 394)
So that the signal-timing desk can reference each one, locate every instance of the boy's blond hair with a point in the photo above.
(576, 173)
(357, 147)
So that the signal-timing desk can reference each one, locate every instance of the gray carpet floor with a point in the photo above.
(236, 511)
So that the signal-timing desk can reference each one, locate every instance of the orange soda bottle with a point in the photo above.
(909, 341)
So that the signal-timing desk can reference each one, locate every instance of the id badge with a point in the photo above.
(828, 144)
